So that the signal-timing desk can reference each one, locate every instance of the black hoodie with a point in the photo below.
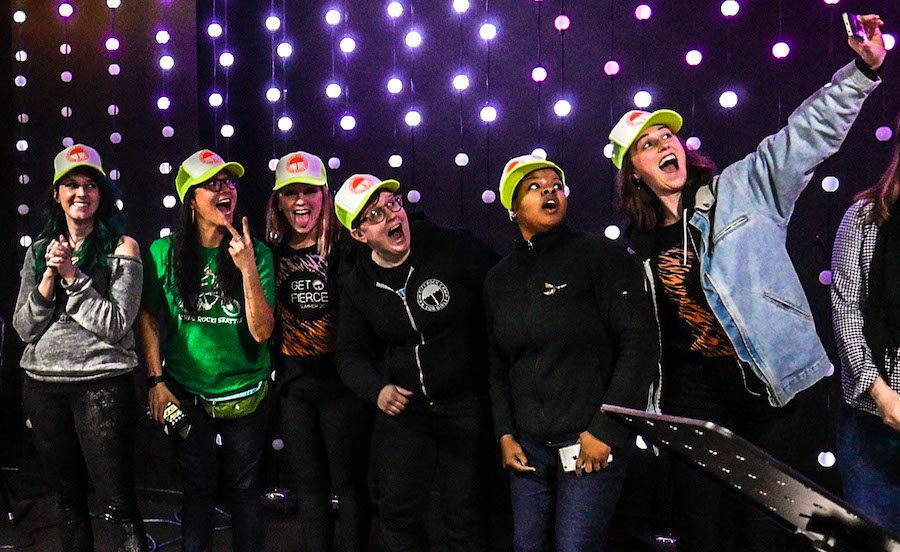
(570, 328)
(429, 333)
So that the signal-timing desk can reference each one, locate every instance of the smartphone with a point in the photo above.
(568, 455)
(854, 26)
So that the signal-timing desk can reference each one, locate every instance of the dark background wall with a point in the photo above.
(737, 56)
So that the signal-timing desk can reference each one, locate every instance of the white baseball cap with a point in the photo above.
(200, 167)
(355, 193)
(633, 123)
(516, 169)
(77, 155)
(299, 167)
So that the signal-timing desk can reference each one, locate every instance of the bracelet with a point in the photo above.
(153, 381)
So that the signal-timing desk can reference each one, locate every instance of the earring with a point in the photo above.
(192, 215)
(512, 216)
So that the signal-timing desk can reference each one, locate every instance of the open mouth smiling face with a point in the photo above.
(659, 160)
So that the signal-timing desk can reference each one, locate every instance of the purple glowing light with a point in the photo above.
(66, 10)
(611, 67)
(693, 58)
(883, 133)
(781, 50)
(643, 12)
(112, 44)
(561, 22)
(538, 74)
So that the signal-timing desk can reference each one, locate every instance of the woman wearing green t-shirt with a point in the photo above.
(209, 290)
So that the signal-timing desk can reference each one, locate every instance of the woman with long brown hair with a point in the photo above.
(324, 425)
(738, 337)
(865, 306)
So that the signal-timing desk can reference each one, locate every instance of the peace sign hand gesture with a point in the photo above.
(241, 248)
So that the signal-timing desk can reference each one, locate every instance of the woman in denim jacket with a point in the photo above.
(735, 325)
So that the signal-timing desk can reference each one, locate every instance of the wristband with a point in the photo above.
(153, 381)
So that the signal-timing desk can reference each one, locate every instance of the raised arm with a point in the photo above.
(782, 165)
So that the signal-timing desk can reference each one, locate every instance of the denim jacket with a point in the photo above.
(742, 218)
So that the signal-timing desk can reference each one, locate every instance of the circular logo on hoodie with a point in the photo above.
(433, 295)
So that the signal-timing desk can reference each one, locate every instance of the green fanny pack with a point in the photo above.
(237, 405)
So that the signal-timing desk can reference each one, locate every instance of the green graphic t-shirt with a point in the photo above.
(210, 352)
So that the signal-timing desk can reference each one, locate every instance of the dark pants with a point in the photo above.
(556, 510)
(869, 460)
(714, 390)
(237, 459)
(326, 435)
(88, 428)
(415, 447)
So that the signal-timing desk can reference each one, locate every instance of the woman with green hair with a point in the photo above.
(78, 299)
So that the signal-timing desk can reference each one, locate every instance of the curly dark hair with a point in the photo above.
(109, 223)
(186, 262)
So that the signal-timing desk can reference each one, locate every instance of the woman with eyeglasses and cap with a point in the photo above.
(737, 332)
(570, 328)
(208, 289)
(411, 341)
(325, 427)
(78, 299)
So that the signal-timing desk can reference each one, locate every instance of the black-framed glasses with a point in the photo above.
(377, 214)
(216, 184)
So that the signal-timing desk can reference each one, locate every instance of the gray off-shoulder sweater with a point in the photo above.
(85, 332)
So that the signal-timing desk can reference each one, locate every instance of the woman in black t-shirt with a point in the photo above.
(324, 425)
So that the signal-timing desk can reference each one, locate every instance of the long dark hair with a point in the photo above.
(109, 223)
(643, 209)
(885, 192)
(187, 263)
(277, 227)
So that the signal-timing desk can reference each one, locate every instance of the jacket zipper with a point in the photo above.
(402, 294)
(656, 399)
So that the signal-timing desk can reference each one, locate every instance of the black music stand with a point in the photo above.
(828, 522)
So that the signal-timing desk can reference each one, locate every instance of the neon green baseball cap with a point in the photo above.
(633, 123)
(200, 167)
(77, 155)
(299, 167)
(516, 169)
(355, 193)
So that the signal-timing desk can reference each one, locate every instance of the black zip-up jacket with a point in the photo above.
(570, 327)
(427, 337)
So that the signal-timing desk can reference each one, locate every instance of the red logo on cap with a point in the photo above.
(637, 118)
(210, 158)
(77, 154)
(511, 166)
(297, 164)
(361, 184)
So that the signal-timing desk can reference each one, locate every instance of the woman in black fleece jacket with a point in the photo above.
(411, 339)
(570, 328)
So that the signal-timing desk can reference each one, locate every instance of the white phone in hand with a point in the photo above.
(568, 455)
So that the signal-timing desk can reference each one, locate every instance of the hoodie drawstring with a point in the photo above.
(684, 236)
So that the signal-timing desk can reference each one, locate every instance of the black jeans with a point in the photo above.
(88, 428)
(704, 509)
(420, 444)
(237, 459)
(326, 435)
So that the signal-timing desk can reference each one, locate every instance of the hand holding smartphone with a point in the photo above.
(854, 26)
(569, 455)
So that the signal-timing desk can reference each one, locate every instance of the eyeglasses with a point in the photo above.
(216, 184)
(377, 214)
